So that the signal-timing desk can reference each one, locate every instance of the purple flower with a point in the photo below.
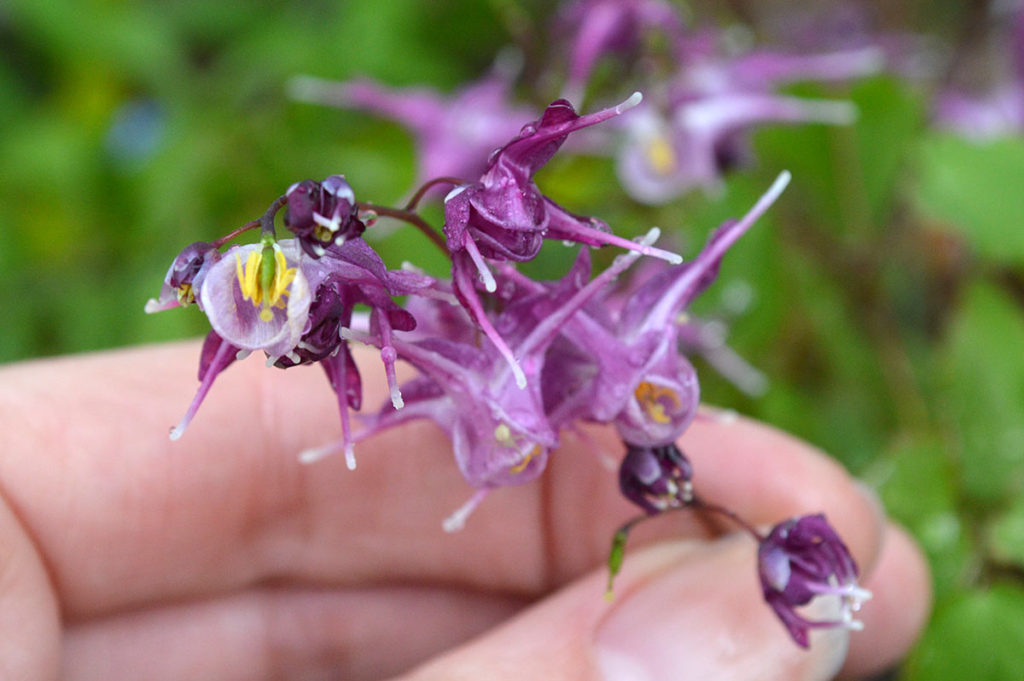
(998, 113)
(801, 559)
(257, 296)
(320, 214)
(184, 277)
(500, 432)
(656, 478)
(602, 26)
(622, 364)
(504, 216)
(696, 131)
(454, 135)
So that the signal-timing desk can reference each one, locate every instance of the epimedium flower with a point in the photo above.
(696, 130)
(504, 215)
(453, 134)
(500, 432)
(184, 277)
(323, 213)
(257, 296)
(620, 362)
(998, 113)
(603, 26)
(656, 478)
(802, 559)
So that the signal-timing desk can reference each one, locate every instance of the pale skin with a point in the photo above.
(220, 556)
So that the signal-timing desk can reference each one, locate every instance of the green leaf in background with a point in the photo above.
(1005, 535)
(977, 190)
(917, 481)
(984, 393)
(976, 636)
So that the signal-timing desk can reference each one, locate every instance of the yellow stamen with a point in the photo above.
(661, 155)
(503, 436)
(650, 397)
(520, 467)
(186, 296)
(265, 292)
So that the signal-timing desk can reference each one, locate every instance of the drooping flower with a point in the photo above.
(184, 277)
(504, 216)
(656, 478)
(800, 560)
(454, 135)
(499, 431)
(622, 364)
(322, 213)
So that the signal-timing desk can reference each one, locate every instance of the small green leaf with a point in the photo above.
(975, 189)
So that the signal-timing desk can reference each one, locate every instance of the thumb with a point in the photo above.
(684, 610)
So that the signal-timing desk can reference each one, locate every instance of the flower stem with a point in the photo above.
(414, 201)
(410, 217)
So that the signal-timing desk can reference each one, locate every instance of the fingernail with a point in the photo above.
(704, 618)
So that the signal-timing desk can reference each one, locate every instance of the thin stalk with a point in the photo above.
(410, 217)
(414, 201)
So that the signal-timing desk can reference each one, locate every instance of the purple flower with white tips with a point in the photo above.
(625, 367)
(504, 216)
(800, 560)
(656, 478)
(321, 214)
(500, 432)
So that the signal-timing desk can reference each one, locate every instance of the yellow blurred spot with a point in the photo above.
(650, 397)
(661, 155)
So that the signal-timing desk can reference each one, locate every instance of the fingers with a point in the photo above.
(126, 518)
(29, 618)
(275, 633)
(685, 610)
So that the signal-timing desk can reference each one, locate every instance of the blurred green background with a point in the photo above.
(885, 290)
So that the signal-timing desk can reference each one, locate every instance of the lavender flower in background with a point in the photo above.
(454, 135)
(800, 560)
(998, 113)
(601, 27)
(184, 277)
(695, 130)
(504, 215)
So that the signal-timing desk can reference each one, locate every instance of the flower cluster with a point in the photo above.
(704, 94)
(505, 362)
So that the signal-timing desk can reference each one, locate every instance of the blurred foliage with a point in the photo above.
(883, 296)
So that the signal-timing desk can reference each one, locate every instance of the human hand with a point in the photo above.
(220, 556)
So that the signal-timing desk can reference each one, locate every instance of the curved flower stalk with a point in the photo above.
(803, 559)
(504, 216)
(453, 135)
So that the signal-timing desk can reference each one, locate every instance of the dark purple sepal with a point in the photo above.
(803, 558)
(321, 214)
(656, 478)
